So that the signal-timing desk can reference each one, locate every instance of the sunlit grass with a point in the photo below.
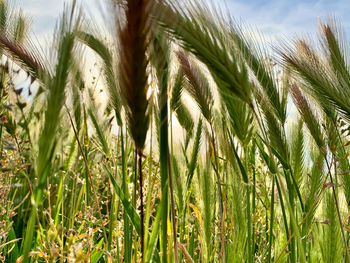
(90, 180)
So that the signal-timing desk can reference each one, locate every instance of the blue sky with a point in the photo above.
(286, 18)
(283, 18)
(274, 19)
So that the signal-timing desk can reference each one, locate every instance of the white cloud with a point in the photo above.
(287, 18)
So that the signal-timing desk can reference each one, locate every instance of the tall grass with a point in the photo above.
(194, 156)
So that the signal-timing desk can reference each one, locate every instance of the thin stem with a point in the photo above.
(141, 212)
(128, 232)
(18, 147)
(288, 234)
(253, 199)
(134, 195)
(220, 196)
(271, 220)
(338, 210)
(172, 199)
(135, 176)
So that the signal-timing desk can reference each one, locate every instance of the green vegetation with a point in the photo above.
(83, 179)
